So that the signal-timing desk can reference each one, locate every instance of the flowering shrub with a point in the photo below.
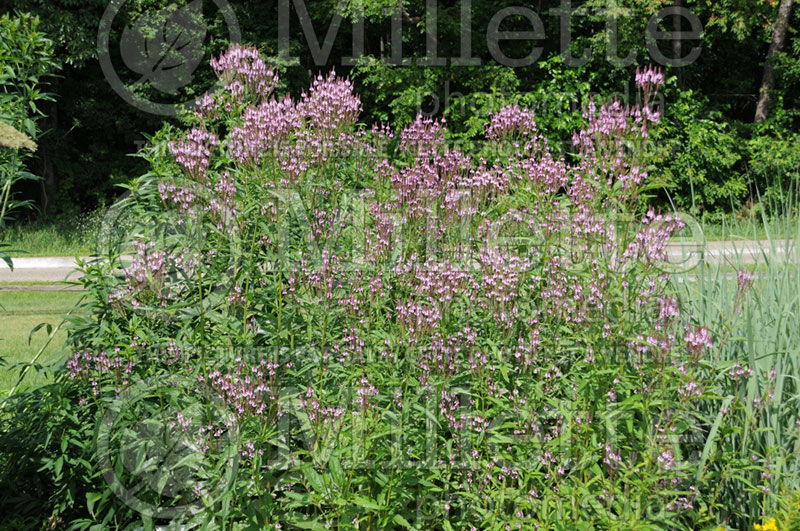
(392, 333)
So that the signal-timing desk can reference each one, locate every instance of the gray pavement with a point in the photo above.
(745, 252)
(50, 269)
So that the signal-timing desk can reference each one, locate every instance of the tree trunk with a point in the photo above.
(49, 182)
(775, 46)
(677, 45)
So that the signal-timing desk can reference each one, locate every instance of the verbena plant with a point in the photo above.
(299, 322)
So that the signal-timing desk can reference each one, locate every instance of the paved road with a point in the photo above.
(747, 252)
(57, 269)
(52, 269)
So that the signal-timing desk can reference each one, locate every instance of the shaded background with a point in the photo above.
(711, 153)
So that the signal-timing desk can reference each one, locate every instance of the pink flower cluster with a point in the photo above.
(698, 339)
(183, 197)
(364, 394)
(148, 267)
(146, 279)
(264, 128)
(649, 75)
(244, 72)
(84, 362)
(739, 372)
(194, 152)
(422, 137)
(509, 121)
(93, 366)
(744, 280)
(317, 413)
(650, 242)
(330, 105)
(249, 389)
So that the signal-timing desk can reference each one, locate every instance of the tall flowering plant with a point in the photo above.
(392, 333)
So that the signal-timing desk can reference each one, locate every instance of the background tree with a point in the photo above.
(775, 47)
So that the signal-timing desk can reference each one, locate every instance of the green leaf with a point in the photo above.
(712, 434)
(315, 525)
(366, 503)
(399, 520)
(315, 480)
(91, 499)
(39, 327)
(428, 413)
(7, 259)
(336, 470)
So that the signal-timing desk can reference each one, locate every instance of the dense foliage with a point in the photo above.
(26, 58)
(330, 326)
(713, 157)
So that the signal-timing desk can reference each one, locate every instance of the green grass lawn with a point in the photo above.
(45, 240)
(61, 237)
(20, 312)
